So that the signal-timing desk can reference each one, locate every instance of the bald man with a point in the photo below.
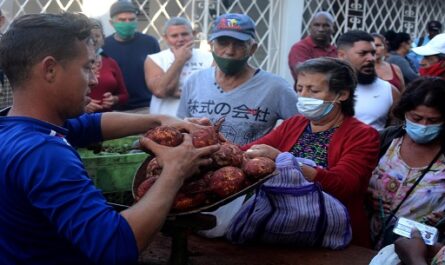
(317, 44)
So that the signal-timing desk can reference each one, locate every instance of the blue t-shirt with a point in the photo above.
(50, 211)
(131, 55)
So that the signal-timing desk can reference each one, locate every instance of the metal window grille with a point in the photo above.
(370, 15)
(377, 15)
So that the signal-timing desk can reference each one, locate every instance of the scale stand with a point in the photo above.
(178, 229)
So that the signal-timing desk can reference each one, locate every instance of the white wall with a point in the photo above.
(100, 10)
(291, 20)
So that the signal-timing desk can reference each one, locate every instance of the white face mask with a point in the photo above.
(314, 109)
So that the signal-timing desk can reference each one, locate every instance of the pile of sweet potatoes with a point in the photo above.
(230, 172)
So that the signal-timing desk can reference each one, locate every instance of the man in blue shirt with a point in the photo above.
(130, 49)
(50, 211)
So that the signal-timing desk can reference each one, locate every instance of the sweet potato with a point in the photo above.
(227, 181)
(165, 135)
(258, 167)
(228, 155)
(207, 136)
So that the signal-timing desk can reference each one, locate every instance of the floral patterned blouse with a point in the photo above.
(439, 259)
(313, 145)
(393, 178)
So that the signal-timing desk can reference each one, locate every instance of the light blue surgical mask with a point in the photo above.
(313, 108)
(422, 134)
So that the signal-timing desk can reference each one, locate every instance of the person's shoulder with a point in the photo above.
(381, 82)
(201, 52)
(161, 54)
(303, 42)
(395, 57)
(200, 76)
(392, 132)
(109, 40)
(295, 119)
(145, 37)
(31, 139)
(202, 57)
(273, 79)
(356, 127)
(108, 60)
(206, 72)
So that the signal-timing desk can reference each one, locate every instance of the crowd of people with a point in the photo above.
(366, 114)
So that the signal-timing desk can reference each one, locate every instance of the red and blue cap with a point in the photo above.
(237, 26)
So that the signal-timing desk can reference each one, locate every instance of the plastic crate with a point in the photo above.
(110, 171)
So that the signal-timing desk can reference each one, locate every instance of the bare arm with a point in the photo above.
(400, 76)
(165, 84)
(117, 124)
(148, 215)
(395, 100)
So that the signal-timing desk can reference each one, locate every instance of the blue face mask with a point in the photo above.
(422, 134)
(314, 109)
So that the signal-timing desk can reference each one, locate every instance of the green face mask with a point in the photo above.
(125, 30)
(230, 66)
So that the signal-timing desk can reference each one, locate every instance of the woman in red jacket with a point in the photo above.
(344, 149)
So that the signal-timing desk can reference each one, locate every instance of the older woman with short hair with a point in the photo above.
(344, 149)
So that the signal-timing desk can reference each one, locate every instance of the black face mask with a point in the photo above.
(230, 66)
(364, 79)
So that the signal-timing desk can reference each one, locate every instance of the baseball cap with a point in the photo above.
(435, 46)
(237, 26)
(122, 7)
(434, 25)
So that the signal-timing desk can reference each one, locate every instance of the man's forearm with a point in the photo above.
(117, 124)
(148, 215)
(168, 83)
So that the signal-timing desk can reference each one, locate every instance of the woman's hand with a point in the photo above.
(109, 100)
(262, 150)
(433, 218)
(93, 106)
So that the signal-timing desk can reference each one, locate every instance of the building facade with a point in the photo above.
(280, 23)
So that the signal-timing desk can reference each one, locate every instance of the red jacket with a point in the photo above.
(352, 156)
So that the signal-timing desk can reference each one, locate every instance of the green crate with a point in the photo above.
(111, 171)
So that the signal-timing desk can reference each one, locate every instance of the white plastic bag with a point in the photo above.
(224, 215)
(386, 256)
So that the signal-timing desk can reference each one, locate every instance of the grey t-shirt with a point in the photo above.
(408, 71)
(251, 110)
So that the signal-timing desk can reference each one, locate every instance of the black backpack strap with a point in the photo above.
(387, 136)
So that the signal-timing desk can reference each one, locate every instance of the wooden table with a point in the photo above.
(205, 251)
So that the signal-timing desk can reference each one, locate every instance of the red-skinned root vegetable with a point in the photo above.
(191, 195)
(145, 186)
(258, 167)
(164, 135)
(184, 202)
(227, 181)
(153, 168)
(228, 155)
(207, 136)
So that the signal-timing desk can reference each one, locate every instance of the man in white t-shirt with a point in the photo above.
(166, 71)
(374, 97)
